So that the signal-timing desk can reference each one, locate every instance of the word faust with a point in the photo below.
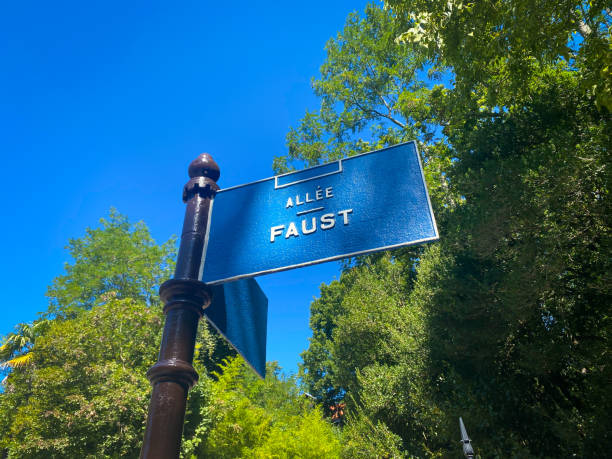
(325, 222)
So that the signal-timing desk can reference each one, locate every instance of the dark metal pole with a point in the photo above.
(185, 297)
(466, 443)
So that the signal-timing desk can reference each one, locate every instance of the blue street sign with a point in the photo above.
(239, 311)
(365, 203)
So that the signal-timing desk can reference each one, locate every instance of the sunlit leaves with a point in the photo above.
(370, 95)
(119, 259)
(263, 418)
(85, 391)
(512, 35)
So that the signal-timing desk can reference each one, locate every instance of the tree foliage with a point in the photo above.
(495, 46)
(117, 260)
(84, 392)
(76, 385)
(505, 321)
(257, 418)
(519, 314)
(370, 96)
(15, 349)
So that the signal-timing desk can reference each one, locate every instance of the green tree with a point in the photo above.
(507, 323)
(250, 417)
(518, 299)
(494, 47)
(84, 392)
(376, 358)
(15, 349)
(369, 91)
(76, 384)
(373, 93)
(119, 260)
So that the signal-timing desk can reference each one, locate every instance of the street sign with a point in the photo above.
(365, 203)
(239, 311)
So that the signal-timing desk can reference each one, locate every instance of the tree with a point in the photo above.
(377, 357)
(76, 384)
(513, 301)
(370, 95)
(117, 260)
(15, 350)
(257, 418)
(84, 392)
(81, 389)
(517, 298)
(494, 47)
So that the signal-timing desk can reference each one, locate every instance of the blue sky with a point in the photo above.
(105, 104)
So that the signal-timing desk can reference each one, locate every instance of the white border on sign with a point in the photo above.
(277, 186)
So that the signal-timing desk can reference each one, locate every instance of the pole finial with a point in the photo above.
(204, 173)
(204, 166)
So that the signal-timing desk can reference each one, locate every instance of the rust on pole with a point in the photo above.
(185, 297)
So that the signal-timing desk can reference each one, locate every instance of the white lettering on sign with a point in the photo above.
(345, 213)
(276, 231)
(309, 230)
(328, 221)
(309, 225)
(318, 195)
(291, 231)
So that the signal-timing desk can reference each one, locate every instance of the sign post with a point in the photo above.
(185, 297)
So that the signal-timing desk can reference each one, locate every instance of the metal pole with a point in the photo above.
(185, 297)
(466, 443)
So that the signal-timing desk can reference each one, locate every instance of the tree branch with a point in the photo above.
(384, 102)
(376, 112)
(583, 29)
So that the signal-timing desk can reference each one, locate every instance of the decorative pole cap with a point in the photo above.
(204, 166)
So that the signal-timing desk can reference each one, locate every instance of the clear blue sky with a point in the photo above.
(105, 104)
